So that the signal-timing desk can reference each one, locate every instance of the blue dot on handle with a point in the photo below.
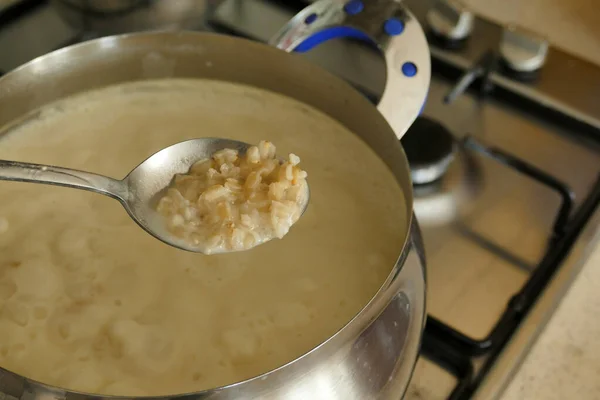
(409, 69)
(310, 19)
(354, 7)
(393, 27)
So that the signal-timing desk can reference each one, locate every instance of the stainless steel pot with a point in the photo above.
(373, 356)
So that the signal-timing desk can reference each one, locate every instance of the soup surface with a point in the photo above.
(91, 302)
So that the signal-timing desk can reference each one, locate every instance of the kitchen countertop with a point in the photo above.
(564, 362)
(573, 26)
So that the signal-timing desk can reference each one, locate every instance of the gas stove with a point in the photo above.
(505, 160)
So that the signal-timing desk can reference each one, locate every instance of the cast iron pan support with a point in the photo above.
(476, 347)
(451, 348)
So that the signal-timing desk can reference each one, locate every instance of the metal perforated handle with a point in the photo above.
(385, 24)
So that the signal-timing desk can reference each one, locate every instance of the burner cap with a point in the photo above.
(429, 147)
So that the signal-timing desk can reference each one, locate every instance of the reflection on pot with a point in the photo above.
(106, 17)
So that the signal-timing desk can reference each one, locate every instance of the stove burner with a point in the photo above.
(430, 148)
(445, 200)
(446, 43)
(523, 76)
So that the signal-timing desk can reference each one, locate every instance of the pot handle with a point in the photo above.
(386, 24)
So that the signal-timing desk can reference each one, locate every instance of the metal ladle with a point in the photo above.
(140, 190)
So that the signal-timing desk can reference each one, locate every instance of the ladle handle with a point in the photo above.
(50, 175)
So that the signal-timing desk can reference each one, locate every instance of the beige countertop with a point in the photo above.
(572, 25)
(564, 362)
